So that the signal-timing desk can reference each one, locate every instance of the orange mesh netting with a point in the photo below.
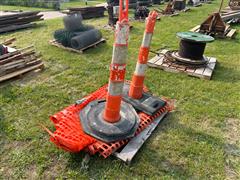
(70, 136)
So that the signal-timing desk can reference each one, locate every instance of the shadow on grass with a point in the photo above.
(155, 159)
(225, 74)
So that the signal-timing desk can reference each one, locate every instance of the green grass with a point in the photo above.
(81, 3)
(75, 3)
(23, 8)
(191, 142)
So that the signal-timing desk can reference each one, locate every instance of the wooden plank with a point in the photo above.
(209, 69)
(154, 59)
(231, 33)
(80, 51)
(199, 71)
(130, 150)
(159, 61)
(195, 29)
(20, 72)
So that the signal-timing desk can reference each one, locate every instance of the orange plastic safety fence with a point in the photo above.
(70, 136)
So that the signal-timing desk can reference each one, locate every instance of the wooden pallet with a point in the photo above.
(79, 51)
(18, 62)
(229, 33)
(21, 72)
(202, 72)
(130, 150)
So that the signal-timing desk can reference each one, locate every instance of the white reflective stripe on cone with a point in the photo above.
(122, 34)
(120, 54)
(140, 69)
(115, 88)
(147, 39)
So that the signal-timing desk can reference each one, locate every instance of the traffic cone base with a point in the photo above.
(95, 125)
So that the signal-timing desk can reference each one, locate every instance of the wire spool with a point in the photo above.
(191, 48)
(85, 39)
(73, 22)
(64, 37)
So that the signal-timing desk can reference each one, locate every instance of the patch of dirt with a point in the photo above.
(232, 148)
(54, 169)
(31, 172)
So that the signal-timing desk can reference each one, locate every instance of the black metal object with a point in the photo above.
(73, 22)
(179, 5)
(174, 57)
(191, 50)
(112, 19)
(85, 39)
(148, 104)
(94, 124)
(64, 37)
(141, 12)
(2, 50)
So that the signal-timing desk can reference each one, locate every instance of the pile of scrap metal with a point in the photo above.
(215, 26)
(88, 12)
(16, 62)
(114, 118)
(173, 6)
(169, 10)
(141, 13)
(75, 34)
(16, 21)
(231, 14)
(234, 4)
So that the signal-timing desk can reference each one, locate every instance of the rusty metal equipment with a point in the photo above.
(169, 8)
(213, 25)
(191, 49)
(234, 4)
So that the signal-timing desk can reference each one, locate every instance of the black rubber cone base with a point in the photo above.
(93, 123)
(148, 104)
